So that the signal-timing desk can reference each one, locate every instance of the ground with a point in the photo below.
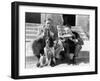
(83, 57)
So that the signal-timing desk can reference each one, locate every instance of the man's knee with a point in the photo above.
(77, 49)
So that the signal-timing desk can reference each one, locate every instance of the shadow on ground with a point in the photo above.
(82, 58)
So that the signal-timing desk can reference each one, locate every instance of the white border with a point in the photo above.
(38, 71)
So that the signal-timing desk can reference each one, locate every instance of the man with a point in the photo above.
(75, 44)
(49, 26)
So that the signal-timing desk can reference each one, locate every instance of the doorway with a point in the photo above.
(69, 19)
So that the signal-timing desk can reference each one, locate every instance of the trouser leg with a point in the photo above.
(74, 60)
(77, 50)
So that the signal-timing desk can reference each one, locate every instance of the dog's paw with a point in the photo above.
(38, 64)
(41, 66)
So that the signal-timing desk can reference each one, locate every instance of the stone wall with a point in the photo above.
(57, 18)
(83, 21)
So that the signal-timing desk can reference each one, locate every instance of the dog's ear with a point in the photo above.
(41, 55)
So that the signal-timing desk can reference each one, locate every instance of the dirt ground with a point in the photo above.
(82, 58)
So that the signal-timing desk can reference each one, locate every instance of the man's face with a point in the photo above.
(48, 23)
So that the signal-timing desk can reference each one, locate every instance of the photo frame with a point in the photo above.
(29, 60)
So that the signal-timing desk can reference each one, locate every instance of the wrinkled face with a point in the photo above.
(48, 23)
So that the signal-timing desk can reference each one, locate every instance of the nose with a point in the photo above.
(47, 41)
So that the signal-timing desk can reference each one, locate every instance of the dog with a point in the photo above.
(48, 58)
(49, 52)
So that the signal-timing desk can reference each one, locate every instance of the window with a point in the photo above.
(33, 17)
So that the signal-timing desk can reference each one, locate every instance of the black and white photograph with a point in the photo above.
(53, 40)
(56, 40)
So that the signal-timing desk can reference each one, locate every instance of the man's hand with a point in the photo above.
(74, 40)
(51, 33)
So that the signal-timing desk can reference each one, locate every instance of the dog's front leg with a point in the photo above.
(49, 62)
(53, 51)
(46, 55)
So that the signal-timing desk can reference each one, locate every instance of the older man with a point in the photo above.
(49, 27)
(47, 32)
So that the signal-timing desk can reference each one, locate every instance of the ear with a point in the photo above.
(40, 54)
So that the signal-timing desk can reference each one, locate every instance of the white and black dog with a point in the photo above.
(48, 58)
(49, 52)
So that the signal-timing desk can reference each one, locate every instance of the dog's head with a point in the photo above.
(49, 42)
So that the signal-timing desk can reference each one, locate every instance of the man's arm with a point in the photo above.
(78, 38)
